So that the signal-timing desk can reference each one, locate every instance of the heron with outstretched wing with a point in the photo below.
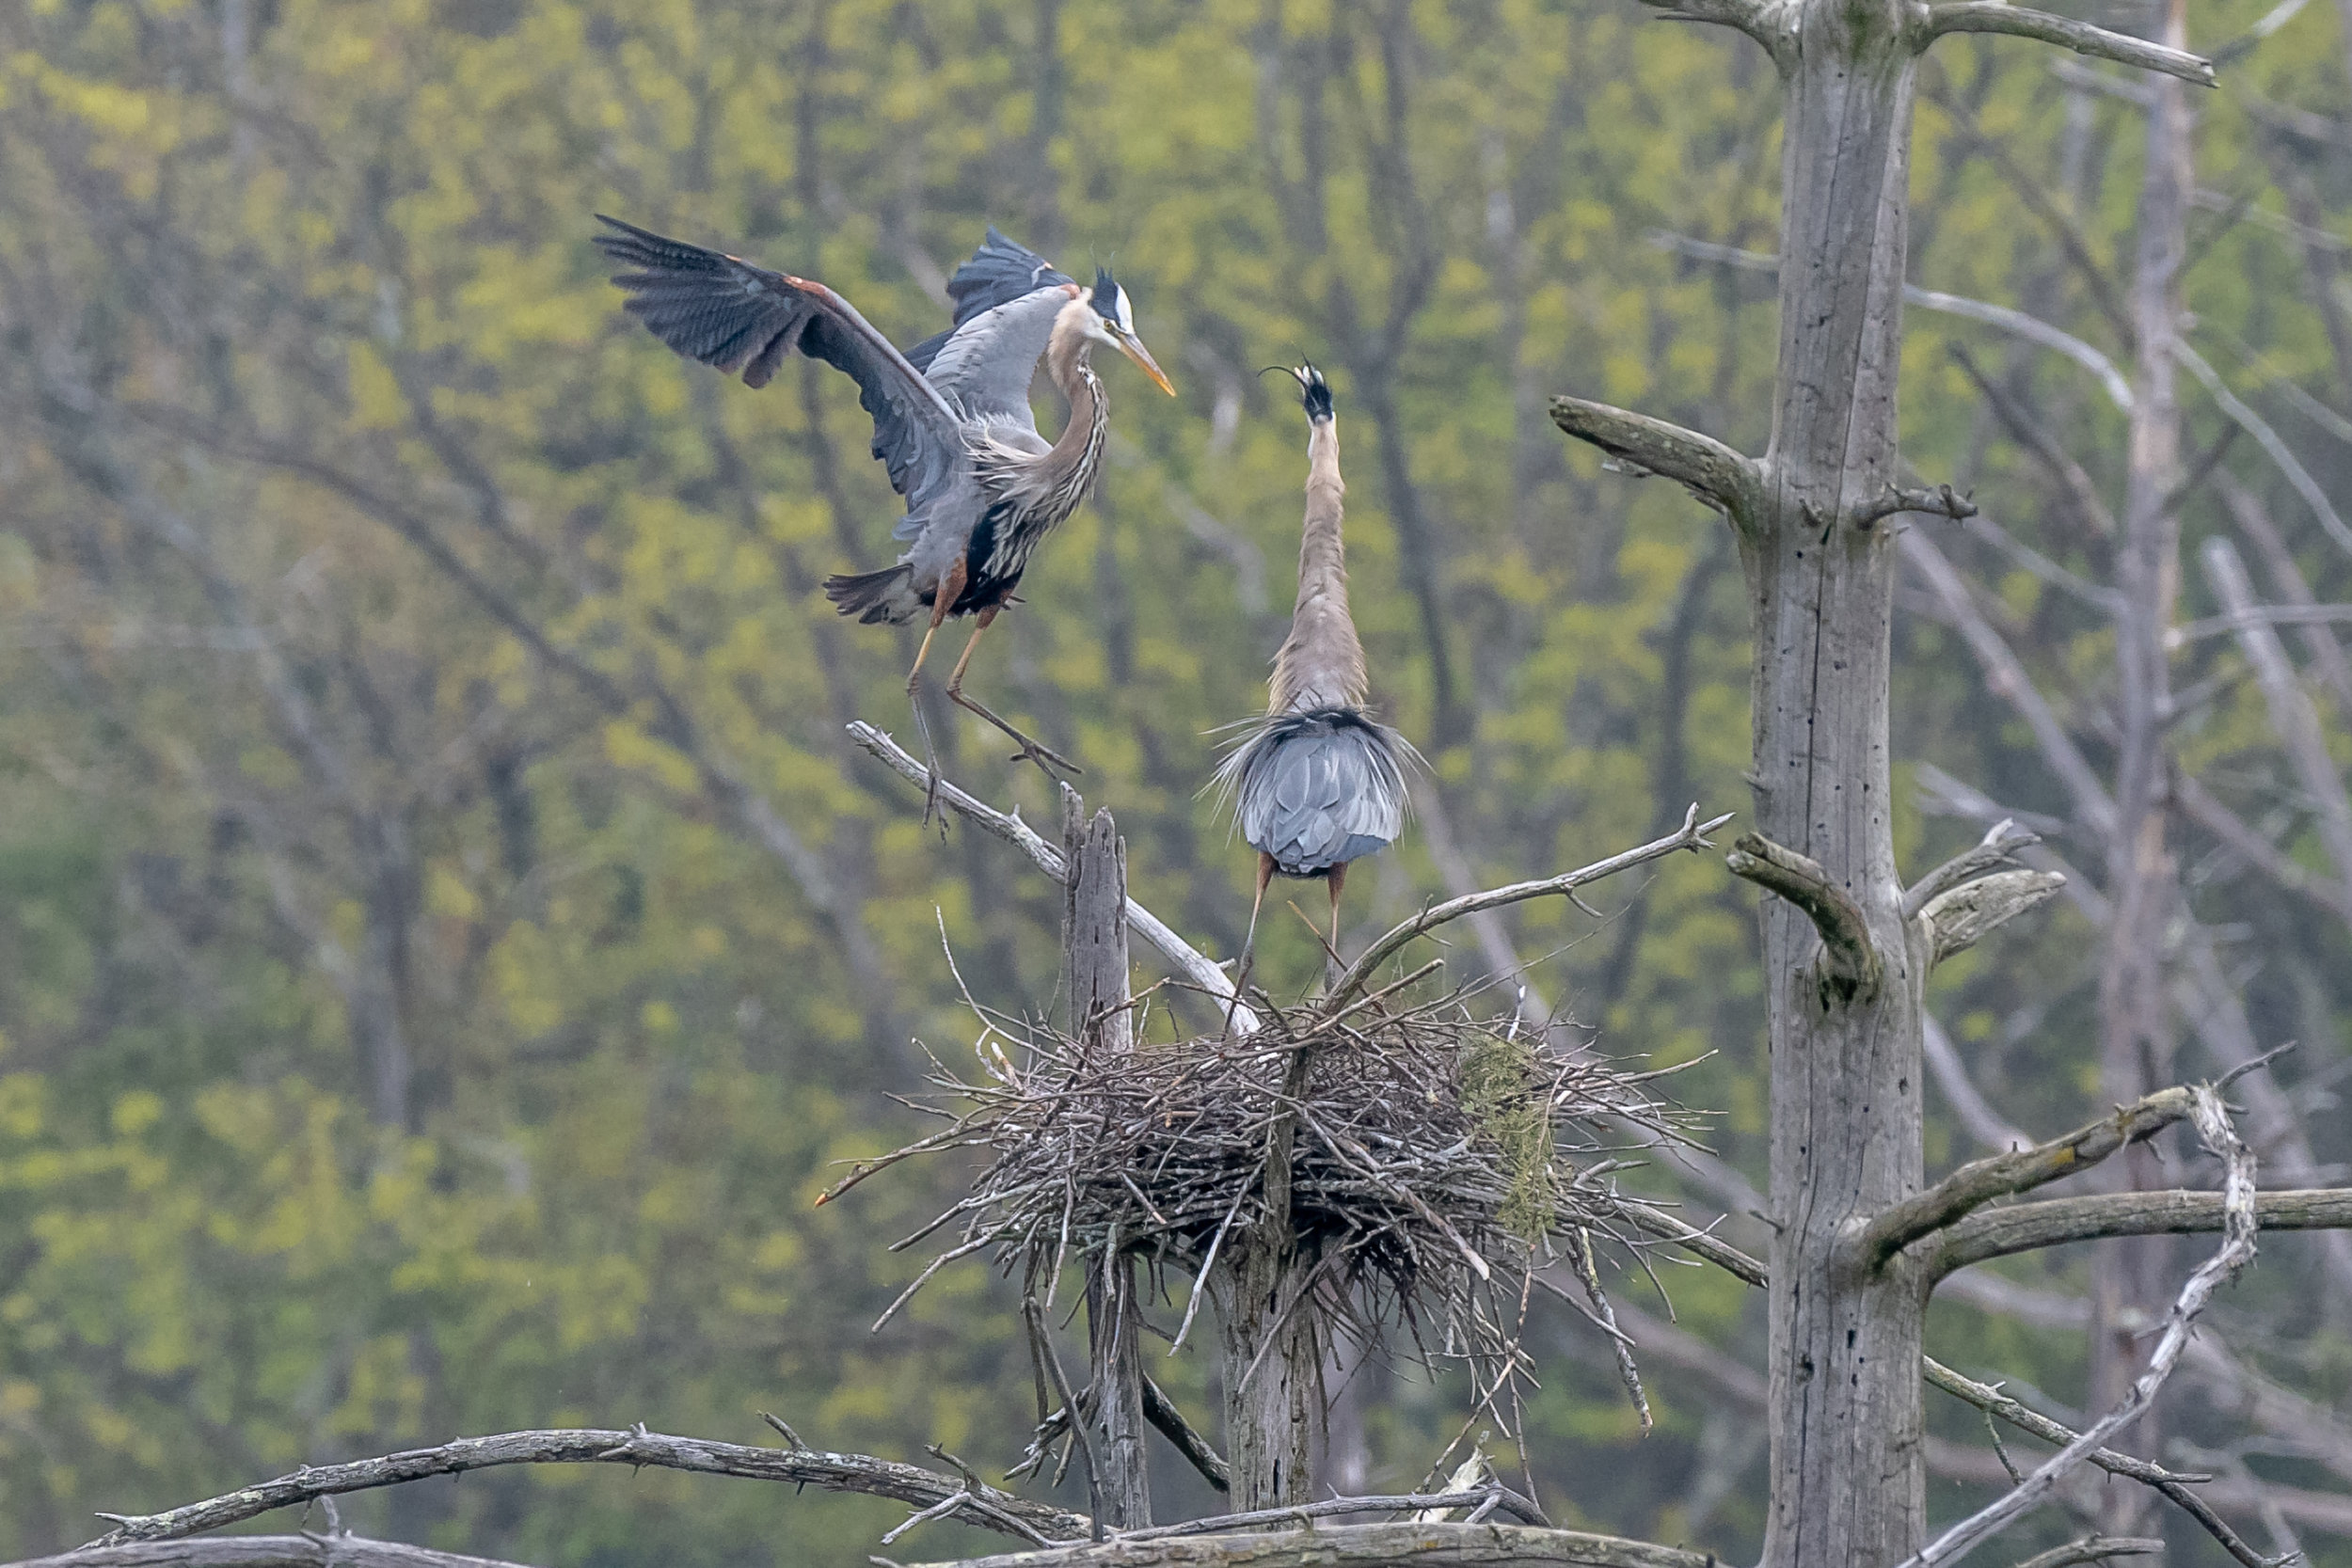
(1317, 783)
(952, 421)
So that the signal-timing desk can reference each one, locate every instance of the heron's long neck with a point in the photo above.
(1321, 663)
(1069, 361)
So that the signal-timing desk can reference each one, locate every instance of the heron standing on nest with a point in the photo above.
(951, 416)
(1317, 783)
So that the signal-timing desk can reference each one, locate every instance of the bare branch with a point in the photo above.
(1997, 16)
(2178, 1211)
(263, 1551)
(1187, 959)
(2293, 718)
(2016, 322)
(2027, 430)
(1333, 1508)
(1460, 1546)
(2254, 521)
(2236, 1251)
(1985, 1124)
(1718, 476)
(2174, 1487)
(835, 1472)
(1162, 1413)
(1998, 847)
(1981, 1182)
(1959, 919)
(1690, 1237)
(2094, 1549)
(1692, 835)
(1942, 501)
(2255, 616)
(1848, 960)
(1752, 16)
(2268, 440)
(2201, 806)
(2008, 679)
(1990, 1399)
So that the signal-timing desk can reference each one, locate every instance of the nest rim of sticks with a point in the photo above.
(1438, 1162)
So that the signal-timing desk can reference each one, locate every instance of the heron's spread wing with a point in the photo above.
(1318, 789)
(727, 312)
(1000, 272)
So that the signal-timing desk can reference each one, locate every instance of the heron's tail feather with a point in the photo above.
(873, 597)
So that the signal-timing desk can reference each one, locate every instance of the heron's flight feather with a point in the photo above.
(728, 312)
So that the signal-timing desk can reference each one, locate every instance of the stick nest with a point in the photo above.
(1439, 1162)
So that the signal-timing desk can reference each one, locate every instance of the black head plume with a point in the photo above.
(1110, 300)
(1315, 392)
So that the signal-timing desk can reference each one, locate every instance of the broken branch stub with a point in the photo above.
(1958, 920)
(1848, 967)
(1726, 479)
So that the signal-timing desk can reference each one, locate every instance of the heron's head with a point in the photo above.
(1111, 320)
(1315, 392)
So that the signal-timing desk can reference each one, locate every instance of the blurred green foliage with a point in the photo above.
(445, 937)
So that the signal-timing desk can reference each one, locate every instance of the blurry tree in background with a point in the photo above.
(445, 933)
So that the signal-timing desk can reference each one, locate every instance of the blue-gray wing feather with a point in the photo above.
(1000, 272)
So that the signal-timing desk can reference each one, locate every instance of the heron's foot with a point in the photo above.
(1045, 757)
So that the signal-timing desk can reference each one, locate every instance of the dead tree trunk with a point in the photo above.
(1094, 938)
(1267, 1357)
(2131, 1275)
(1846, 954)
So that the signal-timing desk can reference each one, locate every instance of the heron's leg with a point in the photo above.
(943, 599)
(1249, 941)
(1045, 757)
(1338, 878)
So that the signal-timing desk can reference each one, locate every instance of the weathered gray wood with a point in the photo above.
(1095, 947)
(1095, 928)
(1364, 1546)
(985, 1506)
(1958, 920)
(1846, 1418)
(1992, 1234)
(263, 1551)
(1270, 1362)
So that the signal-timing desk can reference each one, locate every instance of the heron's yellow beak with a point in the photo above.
(1132, 346)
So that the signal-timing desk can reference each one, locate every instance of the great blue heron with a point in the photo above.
(1317, 783)
(951, 414)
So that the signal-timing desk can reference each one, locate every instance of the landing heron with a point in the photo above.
(951, 416)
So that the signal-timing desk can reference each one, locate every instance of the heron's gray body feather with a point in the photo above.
(1318, 789)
